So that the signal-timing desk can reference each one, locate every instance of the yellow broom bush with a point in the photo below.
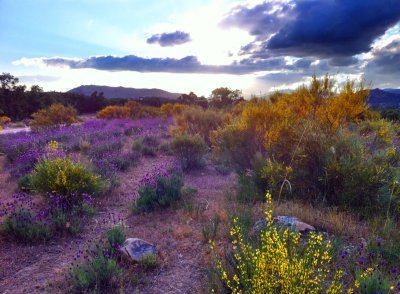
(280, 262)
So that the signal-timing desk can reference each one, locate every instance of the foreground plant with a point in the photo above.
(61, 176)
(279, 263)
(97, 272)
(158, 190)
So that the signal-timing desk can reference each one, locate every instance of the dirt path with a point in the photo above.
(33, 269)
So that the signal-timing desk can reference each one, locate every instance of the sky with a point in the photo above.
(199, 45)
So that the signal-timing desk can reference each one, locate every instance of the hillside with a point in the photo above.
(122, 92)
(384, 98)
(396, 91)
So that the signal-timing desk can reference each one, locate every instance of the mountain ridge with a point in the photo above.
(124, 92)
(384, 98)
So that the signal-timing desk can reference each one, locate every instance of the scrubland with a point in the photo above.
(194, 181)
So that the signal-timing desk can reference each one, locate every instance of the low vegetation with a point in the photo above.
(158, 190)
(325, 156)
(190, 150)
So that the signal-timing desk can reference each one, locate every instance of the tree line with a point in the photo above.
(18, 102)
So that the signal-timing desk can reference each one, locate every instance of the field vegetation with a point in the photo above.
(207, 182)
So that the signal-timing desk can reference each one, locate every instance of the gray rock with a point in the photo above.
(288, 221)
(137, 249)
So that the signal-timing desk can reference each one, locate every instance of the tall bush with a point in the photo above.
(61, 176)
(54, 115)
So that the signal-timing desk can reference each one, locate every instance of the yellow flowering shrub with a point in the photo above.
(272, 126)
(196, 120)
(61, 176)
(280, 262)
(114, 111)
(54, 115)
(4, 120)
(169, 109)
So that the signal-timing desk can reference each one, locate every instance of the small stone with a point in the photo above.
(137, 249)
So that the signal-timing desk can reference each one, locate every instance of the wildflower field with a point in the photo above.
(205, 187)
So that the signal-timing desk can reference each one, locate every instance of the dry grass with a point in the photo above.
(330, 219)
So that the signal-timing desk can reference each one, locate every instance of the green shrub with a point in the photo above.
(166, 148)
(149, 262)
(64, 177)
(24, 226)
(147, 146)
(195, 120)
(97, 273)
(25, 183)
(115, 237)
(247, 190)
(66, 221)
(190, 150)
(360, 179)
(161, 190)
(371, 281)
(210, 229)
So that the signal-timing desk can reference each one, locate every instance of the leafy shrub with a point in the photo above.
(115, 237)
(210, 229)
(63, 177)
(124, 161)
(382, 132)
(67, 214)
(25, 183)
(166, 148)
(190, 150)
(114, 111)
(158, 190)
(148, 112)
(147, 145)
(28, 222)
(24, 225)
(173, 109)
(149, 262)
(272, 126)
(371, 281)
(98, 272)
(279, 263)
(195, 120)
(54, 115)
(356, 179)
(4, 120)
(247, 190)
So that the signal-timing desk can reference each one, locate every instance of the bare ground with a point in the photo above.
(175, 232)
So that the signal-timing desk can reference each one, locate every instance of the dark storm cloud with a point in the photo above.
(343, 61)
(386, 60)
(169, 39)
(261, 20)
(324, 29)
(188, 64)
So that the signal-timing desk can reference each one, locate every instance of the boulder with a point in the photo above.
(294, 223)
(137, 249)
(288, 221)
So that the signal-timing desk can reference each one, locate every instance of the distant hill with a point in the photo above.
(384, 98)
(122, 92)
(396, 91)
